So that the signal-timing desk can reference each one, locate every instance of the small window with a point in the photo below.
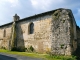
(31, 28)
(4, 33)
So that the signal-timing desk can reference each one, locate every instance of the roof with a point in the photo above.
(34, 16)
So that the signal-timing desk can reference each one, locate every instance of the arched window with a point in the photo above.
(4, 34)
(31, 28)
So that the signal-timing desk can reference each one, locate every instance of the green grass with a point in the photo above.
(37, 55)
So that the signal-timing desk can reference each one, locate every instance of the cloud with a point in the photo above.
(12, 3)
(45, 4)
(40, 3)
(7, 9)
(79, 11)
(52, 4)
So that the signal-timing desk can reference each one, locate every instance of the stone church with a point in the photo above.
(53, 31)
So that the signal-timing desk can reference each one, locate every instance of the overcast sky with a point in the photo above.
(25, 8)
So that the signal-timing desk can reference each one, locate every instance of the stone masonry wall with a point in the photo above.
(1, 37)
(62, 40)
(78, 36)
(5, 36)
(41, 37)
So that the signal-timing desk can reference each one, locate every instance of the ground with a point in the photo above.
(4, 56)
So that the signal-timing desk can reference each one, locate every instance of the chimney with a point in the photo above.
(16, 17)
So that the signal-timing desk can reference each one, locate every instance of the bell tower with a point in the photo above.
(16, 17)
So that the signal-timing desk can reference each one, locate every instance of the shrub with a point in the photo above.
(62, 45)
(3, 48)
(30, 49)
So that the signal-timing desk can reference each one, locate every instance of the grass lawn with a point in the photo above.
(37, 55)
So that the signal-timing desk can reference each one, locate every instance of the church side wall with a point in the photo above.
(73, 33)
(5, 36)
(41, 37)
(78, 36)
(1, 37)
